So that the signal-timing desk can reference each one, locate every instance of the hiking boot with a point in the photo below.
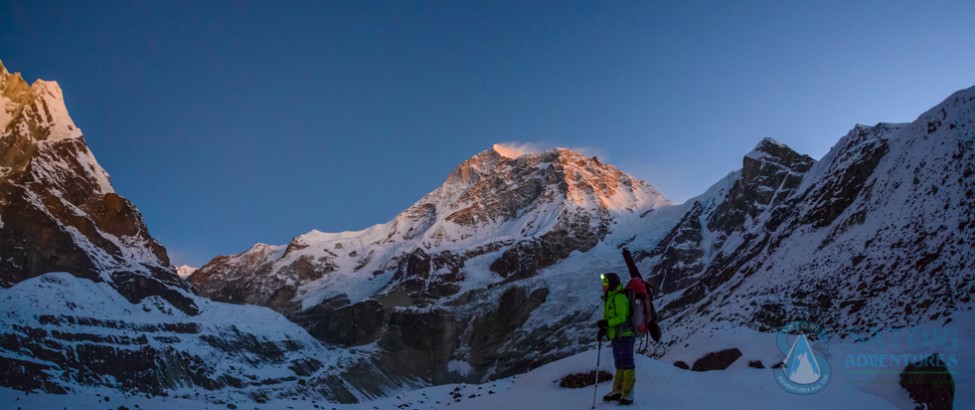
(617, 387)
(629, 380)
(613, 396)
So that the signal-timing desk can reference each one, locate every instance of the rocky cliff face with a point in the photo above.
(411, 285)
(58, 211)
(769, 174)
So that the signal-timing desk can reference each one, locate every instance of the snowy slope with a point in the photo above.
(65, 334)
(659, 385)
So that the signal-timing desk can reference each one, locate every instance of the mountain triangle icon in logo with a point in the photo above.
(801, 365)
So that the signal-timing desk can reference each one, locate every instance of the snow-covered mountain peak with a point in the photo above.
(41, 105)
(770, 151)
(7, 79)
(495, 220)
(582, 180)
(59, 209)
(185, 271)
(14, 93)
(767, 146)
(470, 171)
(60, 124)
(260, 253)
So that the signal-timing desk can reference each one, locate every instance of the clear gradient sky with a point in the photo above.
(237, 122)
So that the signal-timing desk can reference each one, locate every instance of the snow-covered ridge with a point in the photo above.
(659, 384)
(150, 347)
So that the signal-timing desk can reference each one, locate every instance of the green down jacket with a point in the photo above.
(616, 312)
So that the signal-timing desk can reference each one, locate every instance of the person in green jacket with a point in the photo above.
(616, 326)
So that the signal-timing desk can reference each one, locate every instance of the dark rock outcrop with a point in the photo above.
(418, 344)
(344, 325)
(929, 383)
(719, 360)
(580, 380)
(491, 331)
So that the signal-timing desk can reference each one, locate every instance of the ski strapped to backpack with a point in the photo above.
(643, 316)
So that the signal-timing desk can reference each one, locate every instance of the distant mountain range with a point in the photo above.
(494, 273)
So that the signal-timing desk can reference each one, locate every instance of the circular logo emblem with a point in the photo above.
(804, 368)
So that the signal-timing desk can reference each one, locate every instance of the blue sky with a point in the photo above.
(232, 123)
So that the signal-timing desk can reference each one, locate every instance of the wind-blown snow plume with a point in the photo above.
(513, 150)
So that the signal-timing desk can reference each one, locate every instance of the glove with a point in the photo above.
(602, 325)
(601, 334)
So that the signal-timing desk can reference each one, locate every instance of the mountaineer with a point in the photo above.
(616, 326)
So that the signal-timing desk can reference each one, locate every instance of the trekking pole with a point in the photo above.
(595, 376)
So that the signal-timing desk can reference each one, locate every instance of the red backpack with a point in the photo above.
(643, 316)
(641, 306)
